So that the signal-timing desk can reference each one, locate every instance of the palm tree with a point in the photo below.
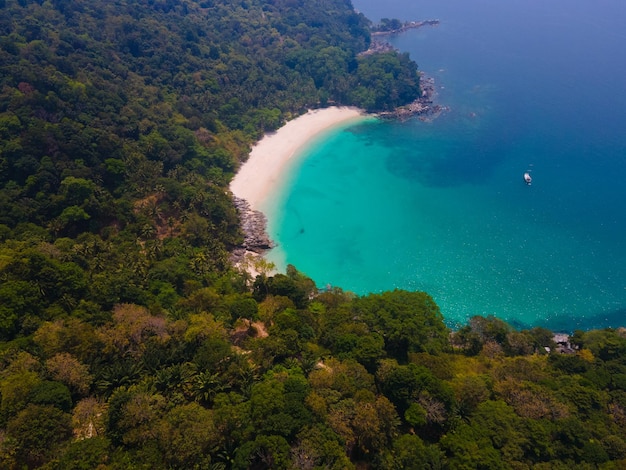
(205, 386)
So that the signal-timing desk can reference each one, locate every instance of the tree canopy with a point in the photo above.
(127, 337)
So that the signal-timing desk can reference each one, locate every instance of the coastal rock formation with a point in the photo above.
(378, 46)
(253, 224)
(406, 26)
(563, 344)
(424, 106)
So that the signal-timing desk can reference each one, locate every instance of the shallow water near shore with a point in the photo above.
(442, 207)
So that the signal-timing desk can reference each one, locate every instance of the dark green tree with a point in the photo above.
(36, 434)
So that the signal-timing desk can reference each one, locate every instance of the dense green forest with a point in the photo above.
(128, 340)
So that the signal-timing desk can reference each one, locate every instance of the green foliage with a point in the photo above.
(385, 81)
(606, 344)
(277, 404)
(84, 454)
(415, 415)
(15, 388)
(264, 452)
(320, 447)
(387, 24)
(409, 452)
(176, 395)
(35, 433)
(51, 393)
(123, 322)
(186, 434)
(293, 285)
(467, 449)
(408, 321)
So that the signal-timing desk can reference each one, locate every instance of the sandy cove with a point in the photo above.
(266, 165)
(270, 157)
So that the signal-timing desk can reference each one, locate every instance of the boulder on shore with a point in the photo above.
(253, 225)
(424, 106)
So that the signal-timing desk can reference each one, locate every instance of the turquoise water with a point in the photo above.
(441, 206)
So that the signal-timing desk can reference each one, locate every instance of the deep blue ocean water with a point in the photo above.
(442, 207)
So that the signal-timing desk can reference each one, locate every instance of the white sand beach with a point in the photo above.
(269, 158)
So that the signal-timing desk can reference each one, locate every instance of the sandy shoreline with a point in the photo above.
(269, 157)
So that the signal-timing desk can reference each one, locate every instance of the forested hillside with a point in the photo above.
(122, 123)
(127, 338)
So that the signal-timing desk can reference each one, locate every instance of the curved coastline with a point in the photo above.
(267, 165)
(270, 157)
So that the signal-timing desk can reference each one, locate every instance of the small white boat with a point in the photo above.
(528, 178)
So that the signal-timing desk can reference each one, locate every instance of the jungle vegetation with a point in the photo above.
(128, 340)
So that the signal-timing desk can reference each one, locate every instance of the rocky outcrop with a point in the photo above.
(424, 107)
(405, 27)
(563, 344)
(253, 225)
(378, 45)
